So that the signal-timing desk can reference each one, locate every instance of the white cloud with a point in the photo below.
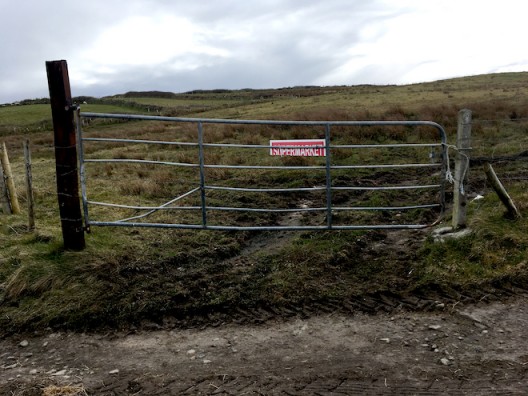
(119, 45)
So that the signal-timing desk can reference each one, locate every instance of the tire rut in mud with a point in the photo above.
(312, 385)
(426, 299)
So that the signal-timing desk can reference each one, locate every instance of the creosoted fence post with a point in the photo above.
(65, 155)
(461, 169)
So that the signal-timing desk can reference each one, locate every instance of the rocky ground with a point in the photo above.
(477, 349)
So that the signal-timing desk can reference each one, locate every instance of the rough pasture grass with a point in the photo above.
(127, 275)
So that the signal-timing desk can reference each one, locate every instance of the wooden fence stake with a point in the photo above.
(10, 183)
(29, 187)
(65, 155)
(4, 197)
(513, 212)
(461, 169)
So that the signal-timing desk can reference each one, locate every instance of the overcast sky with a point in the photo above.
(114, 46)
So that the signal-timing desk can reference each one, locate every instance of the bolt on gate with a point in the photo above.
(221, 174)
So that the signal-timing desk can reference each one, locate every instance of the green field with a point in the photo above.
(128, 275)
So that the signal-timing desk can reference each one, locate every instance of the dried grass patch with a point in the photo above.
(68, 390)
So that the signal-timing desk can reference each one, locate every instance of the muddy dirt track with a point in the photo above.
(455, 349)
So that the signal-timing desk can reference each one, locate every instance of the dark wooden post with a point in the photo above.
(65, 155)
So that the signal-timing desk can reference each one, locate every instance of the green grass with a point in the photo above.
(23, 115)
(128, 275)
(497, 247)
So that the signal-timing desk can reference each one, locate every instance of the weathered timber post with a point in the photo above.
(503, 195)
(65, 155)
(9, 181)
(461, 169)
(29, 187)
(4, 197)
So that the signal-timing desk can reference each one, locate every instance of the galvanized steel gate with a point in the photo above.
(334, 175)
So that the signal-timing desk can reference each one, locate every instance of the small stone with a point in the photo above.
(33, 371)
(24, 343)
(45, 344)
(191, 352)
(387, 340)
(206, 361)
(61, 372)
(480, 325)
(484, 331)
(113, 372)
(445, 361)
(435, 327)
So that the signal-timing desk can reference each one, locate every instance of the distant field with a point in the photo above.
(33, 116)
(23, 115)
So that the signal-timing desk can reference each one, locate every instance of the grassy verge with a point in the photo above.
(126, 276)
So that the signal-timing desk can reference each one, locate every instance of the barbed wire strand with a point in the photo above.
(449, 175)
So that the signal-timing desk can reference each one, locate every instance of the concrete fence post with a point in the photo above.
(461, 169)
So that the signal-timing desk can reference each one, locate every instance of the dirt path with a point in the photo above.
(473, 350)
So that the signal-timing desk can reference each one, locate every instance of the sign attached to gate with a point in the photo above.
(298, 148)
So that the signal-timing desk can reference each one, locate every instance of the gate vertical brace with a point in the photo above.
(202, 173)
(65, 155)
(82, 171)
(328, 179)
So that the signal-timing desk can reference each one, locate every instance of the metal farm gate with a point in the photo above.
(296, 175)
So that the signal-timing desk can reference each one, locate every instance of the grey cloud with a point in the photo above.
(264, 44)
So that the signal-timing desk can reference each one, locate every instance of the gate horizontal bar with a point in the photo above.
(259, 122)
(139, 141)
(315, 189)
(263, 228)
(264, 167)
(264, 146)
(264, 210)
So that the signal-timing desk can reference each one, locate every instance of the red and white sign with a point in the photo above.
(298, 148)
